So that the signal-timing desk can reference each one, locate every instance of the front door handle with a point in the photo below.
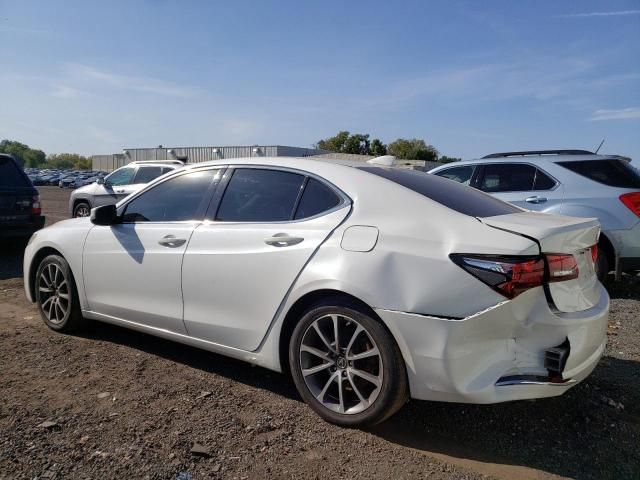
(120, 191)
(282, 240)
(535, 199)
(171, 241)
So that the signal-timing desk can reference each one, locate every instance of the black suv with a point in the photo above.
(20, 211)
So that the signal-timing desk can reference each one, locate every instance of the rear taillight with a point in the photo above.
(594, 253)
(510, 276)
(561, 267)
(632, 201)
(36, 209)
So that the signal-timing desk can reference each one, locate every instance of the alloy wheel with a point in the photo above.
(54, 293)
(82, 211)
(341, 364)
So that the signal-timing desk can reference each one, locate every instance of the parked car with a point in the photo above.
(369, 284)
(568, 182)
(114, 187)
(20, 209)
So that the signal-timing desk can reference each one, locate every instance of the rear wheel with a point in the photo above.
(347, 367)
(82, 209)
(56, 295)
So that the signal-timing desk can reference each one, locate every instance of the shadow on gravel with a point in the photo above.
(629, 287)
(195, 358)
(11, 253)
(579, 435)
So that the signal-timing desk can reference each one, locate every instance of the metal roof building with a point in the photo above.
(197, 154)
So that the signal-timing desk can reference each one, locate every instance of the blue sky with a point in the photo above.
(469, 77)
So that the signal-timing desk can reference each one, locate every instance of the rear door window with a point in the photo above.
(507, 177)
(11, 174)
(458, 197)
(611, 172)
(543, 181)
(260, 195)
(317, 198)
(460, 174)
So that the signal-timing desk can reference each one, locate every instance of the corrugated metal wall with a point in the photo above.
(197, 154)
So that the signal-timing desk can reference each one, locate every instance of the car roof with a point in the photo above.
(533, 158)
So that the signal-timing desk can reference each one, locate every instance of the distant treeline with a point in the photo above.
(30, 157)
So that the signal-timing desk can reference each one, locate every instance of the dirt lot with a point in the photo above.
(126, 405)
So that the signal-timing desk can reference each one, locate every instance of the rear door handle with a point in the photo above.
(171, 241)
(119, 191)
(282, 240)
(535, 199)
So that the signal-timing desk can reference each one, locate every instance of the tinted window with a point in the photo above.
(317, 198)
(458, 174)
(120, 177)
(259, 195)
(146, 174)
(615, 173)
(10, 174)
(543, 181)
(174, 200)
(509, 177)
(463, 199)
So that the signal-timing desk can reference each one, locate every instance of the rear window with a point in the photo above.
(11, 174)
(612, 172)
(453, 195)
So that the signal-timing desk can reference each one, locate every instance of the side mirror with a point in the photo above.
(104, 215)
(100, 181)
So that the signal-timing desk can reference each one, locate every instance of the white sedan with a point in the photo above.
(368, 284)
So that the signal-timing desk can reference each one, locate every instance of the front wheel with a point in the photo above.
(56, 295)
(347, 366)
(82, 209)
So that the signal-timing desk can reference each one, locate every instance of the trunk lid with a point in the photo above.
(557, 234)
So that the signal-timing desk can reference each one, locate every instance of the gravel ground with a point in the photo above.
(119, 404)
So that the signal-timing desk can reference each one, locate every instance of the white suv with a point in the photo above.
(568, 182)
(117, 185)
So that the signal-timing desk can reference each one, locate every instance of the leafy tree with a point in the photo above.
(26, 156)
(414, 149)
(357, 143)
(336, 143)
(69, 160)
(445, 159)
(378, 148)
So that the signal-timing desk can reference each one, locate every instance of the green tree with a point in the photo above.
(345, 142)
(27, 157)
(69, 160)
(445, 159)
(336, 143)
(378, 148)
(413, 149)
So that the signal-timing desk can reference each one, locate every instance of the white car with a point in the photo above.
(117, 185)
(368, 284)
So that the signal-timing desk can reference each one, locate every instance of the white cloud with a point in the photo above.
(618, 13)
(620, 114)
(88, 74)
(64, 91)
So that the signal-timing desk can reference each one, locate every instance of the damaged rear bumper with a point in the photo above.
(498, 355)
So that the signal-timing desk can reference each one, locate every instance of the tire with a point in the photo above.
(602, 263)
(57, 296)
(360, 402)
(81, 209)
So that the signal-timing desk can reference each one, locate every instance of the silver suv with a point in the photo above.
(117, 185)
(567, 182)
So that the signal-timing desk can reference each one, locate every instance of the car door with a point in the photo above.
(241, 263)
(132, 270)
(522, 184)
